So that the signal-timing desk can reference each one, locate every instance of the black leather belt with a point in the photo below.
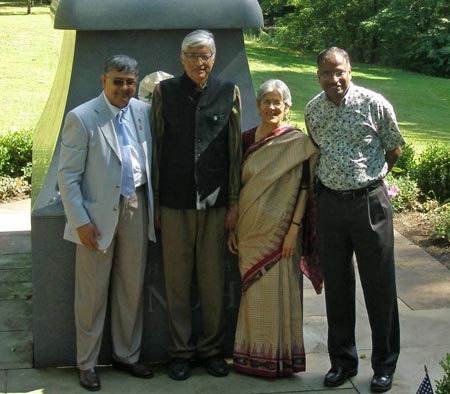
(352, 193)
(141, 188)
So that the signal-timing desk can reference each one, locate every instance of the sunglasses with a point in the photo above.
(120, 82)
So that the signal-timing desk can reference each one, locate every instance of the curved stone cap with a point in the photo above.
(155, 14)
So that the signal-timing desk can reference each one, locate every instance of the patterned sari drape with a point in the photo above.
(269, 336)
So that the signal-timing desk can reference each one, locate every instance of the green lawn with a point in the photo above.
(29, 50)
(29, 53)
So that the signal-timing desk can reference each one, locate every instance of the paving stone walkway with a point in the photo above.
(424, 304)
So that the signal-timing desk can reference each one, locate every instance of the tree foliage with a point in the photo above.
(411, 34)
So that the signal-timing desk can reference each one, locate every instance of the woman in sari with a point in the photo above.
(276, 177)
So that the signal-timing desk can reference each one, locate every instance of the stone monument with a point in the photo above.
(151, 32)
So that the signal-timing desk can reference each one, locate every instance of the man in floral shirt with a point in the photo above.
(359, 140)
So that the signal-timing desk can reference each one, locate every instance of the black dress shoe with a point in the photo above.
(216, 366)
(179, 369)
(338, 375)
(89, 379)
(134, 369)
(381, 383)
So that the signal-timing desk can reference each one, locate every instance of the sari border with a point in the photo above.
(259, 269)
(275, 133)
(269, 367)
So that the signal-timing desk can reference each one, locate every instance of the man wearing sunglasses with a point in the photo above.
(196, 175)
(104, 179)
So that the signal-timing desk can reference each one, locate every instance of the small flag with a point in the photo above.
(425, 387)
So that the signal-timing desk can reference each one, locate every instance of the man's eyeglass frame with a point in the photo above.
(327, 76)
(194, 57)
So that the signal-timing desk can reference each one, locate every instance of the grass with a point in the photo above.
(29, 49)
(29, 52)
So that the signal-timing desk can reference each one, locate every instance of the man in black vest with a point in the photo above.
(196, 177)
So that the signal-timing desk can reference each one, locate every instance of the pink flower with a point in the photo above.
(392, 190)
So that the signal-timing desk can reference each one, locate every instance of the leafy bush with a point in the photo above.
(405, 163)
(15, 153)
(441, 222)
(443, 385)
(433, 171)
(407, 196)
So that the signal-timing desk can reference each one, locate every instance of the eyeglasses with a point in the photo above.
(120, 82)
(193, 57)
(269, 102)
(326, 75)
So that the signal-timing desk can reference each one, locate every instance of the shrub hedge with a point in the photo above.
(432, 171)
(440, 221)
(15, 153)
(443, 385)
(15, 163)
(424, 185)
(407, 198)
(406, 162)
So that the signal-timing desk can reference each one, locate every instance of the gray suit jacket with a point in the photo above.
(89, 173)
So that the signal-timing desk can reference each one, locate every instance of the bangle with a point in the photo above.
(297, 224)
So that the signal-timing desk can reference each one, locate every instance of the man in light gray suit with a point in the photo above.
(104, 180)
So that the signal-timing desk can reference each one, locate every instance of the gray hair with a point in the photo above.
(321, 58)
(275, 85)
(199, 38)
(121, 63)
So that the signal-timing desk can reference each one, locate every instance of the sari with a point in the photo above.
(269, 333)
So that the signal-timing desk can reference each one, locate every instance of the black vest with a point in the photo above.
(194, 158)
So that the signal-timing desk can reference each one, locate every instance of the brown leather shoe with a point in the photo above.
(134, 369)
(89, 379)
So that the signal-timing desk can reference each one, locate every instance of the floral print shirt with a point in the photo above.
(352, 137)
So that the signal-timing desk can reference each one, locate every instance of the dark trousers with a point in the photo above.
(359, 224)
